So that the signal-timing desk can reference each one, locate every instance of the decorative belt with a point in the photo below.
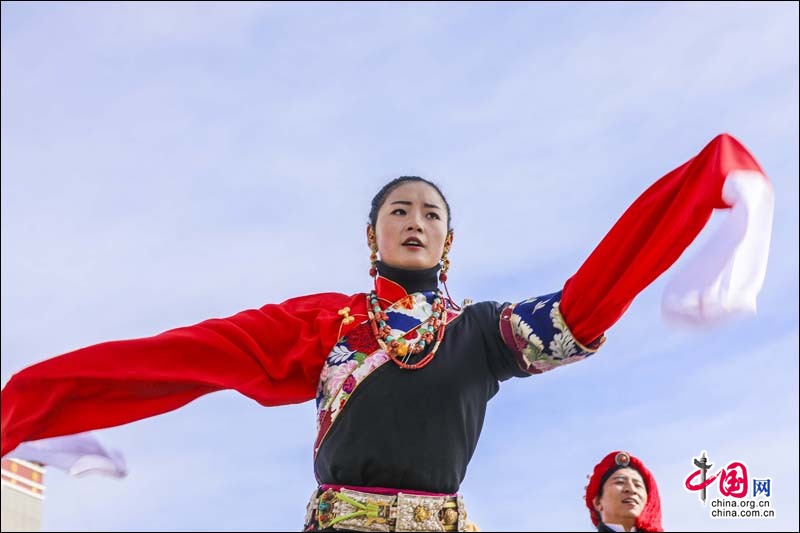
(362, 511)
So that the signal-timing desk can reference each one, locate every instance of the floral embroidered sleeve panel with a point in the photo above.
(538, 336)
(273, 355)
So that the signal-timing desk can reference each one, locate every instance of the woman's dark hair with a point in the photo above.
(380, 198)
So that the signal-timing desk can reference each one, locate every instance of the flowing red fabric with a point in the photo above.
(273, 355)
(649, 237)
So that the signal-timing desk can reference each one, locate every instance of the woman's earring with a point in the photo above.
(445, 261)
(445, 267)
(373, 258)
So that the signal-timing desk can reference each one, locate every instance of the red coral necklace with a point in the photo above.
(400, 350)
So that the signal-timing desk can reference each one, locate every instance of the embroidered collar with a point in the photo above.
(393, 283)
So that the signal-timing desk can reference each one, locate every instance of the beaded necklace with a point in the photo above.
(400, 350)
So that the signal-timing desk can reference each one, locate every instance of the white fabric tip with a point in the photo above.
(77, 455)
(726, 275)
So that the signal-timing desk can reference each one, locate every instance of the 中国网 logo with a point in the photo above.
(733, 482)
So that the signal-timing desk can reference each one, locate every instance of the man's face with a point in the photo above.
(623, 498)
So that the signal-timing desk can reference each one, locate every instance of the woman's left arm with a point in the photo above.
(569, 325)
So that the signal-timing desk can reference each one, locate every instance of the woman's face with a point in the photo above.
(411, 227)
(624, 497)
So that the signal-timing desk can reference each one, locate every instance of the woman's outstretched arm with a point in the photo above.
(273, 355)
(569, 325)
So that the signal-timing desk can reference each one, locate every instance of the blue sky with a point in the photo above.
(164, 163)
